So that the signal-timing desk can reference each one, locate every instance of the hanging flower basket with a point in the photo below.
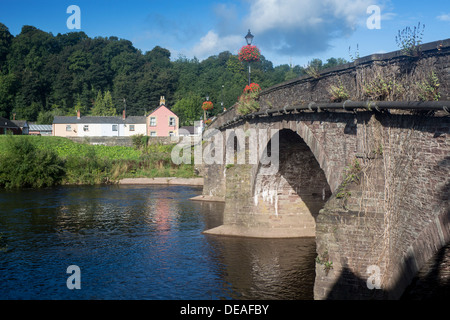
(249, 54)
(207, 105)
(252, 88)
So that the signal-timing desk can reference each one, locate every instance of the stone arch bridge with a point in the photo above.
(369, 180)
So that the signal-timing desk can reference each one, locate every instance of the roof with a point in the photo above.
(163, 106)
(99, 120)
(190, 129)
(6, 123)
(20, 123)
(41, 127)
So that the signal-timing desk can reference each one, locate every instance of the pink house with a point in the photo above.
(162, 122)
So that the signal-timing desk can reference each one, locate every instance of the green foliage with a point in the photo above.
(313, 68)
(351, 175)
(354, 56)
(324, 260)
(24, 165)
(140, 142)
(338, 93)
(248, 101)
(39, 71)
(188, 109)
(31, 161)
(429, 88)
(103, 105)
(89, 168)
(380, 89)
(409, 40)
(248, 104)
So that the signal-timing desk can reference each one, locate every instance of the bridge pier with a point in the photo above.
(282, 204)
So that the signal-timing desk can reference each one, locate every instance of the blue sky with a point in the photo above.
(286, 31)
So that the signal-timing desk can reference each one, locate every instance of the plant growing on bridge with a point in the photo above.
(409, 40)
(338, 93)
(356, 56)
(313, 70)
(324, 260)
(248, 101)
(429, 88)
(351, 175)
(380, 89)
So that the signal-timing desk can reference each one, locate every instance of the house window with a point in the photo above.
(172, 122)
(114, 127)
(152, 121)
(153, 134)
(86, 127)
(131, 127)
(68, 127)
(171, 133)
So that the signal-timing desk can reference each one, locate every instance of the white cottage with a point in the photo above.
(90, 126)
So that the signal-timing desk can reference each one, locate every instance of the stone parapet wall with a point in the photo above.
(403, 73)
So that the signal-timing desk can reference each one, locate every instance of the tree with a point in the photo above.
(8, 87)
(188, 109)
(103, 105)
(5, 44)
(39, 71)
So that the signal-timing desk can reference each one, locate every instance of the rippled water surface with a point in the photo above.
(139, 242)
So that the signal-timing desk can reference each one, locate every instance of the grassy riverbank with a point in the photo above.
(33, 161)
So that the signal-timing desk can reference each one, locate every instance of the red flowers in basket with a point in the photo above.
(207, 105)
(252, 88)
(249, 53)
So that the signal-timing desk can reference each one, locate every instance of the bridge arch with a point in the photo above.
(294, 194)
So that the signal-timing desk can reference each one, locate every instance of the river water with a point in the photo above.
(139, 242)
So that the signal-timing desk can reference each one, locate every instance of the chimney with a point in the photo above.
(14, 116)
(162, 101)
(124, 115)
(78, 114)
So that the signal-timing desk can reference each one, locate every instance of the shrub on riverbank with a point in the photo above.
(24, 165)
(28, 161)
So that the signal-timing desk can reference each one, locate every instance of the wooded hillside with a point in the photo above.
(42, 75)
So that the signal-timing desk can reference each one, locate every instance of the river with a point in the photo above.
(139, 242)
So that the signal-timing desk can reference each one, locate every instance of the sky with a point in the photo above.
(286, 31)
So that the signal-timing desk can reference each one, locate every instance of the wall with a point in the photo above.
(119, 141)
(59, 130)
(395, 215)
(405, 74)
(162, 127)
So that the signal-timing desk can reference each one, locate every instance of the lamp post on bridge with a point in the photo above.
(249, 53)
(249, 39)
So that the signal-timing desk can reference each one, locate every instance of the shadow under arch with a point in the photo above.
(298, 190)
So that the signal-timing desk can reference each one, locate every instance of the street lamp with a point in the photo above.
(249, 39)
(221, 97)
(204, 114)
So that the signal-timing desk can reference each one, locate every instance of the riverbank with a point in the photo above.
(35, 162)
(162, 181)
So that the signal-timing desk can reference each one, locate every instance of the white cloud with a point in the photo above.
(285, 27)
(294, 26)
(212, 44)
(444, 17)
